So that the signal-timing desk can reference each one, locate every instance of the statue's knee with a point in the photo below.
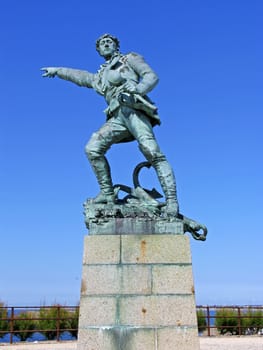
(96, 146)
(152, 154)
(91, 151)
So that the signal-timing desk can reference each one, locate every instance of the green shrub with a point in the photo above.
(73, 322)
(25, 325)
(201, 320)
(227, 321)
(3, 322)
(48, 321)
(252, 321)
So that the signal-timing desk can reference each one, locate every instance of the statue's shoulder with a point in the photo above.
(132, 57)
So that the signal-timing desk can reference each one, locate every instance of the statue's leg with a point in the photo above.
(141, 129)
(95, 150)
(167, 180)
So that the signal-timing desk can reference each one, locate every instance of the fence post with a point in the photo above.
(58, 322)
(239, 321)
(208, 321)
(12, 324)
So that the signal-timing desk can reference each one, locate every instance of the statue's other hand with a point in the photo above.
(49, 72)
(130, 87)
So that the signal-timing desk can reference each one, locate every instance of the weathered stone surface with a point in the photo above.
(116, 279)
(177, 339)
(157, 311)
(139, 339)
(142, 339)
(117, 338)
(125, 219)
(155, 249)
(101, 250)
(137, 293)
(94, 339)
(172, 279)
(138, 226)
(96, 311)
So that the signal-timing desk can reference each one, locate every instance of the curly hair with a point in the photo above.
(116, 40)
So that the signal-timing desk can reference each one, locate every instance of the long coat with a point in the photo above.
(109, 80)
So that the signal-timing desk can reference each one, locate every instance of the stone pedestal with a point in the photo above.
(137, 290)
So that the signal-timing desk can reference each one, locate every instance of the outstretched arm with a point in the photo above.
(79, 77)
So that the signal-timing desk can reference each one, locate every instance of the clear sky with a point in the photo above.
(208, 55)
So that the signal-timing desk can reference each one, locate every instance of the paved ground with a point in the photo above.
(206, 343)
(68, 345)
(231, 343)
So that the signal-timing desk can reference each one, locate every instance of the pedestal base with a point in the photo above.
(137, 293)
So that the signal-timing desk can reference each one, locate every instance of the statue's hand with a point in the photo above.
(49, 72)
(130, 86)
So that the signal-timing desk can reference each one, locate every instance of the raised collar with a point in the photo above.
(112, 61)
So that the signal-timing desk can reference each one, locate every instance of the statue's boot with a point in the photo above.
(101, 169)
(167, 180)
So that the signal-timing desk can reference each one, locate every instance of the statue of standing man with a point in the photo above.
(124, 81)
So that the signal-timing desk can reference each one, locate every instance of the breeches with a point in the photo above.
(126, 125)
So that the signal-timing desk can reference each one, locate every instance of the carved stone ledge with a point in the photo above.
(127, 218)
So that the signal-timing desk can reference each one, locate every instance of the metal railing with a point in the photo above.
(235, 320)
(21, 323)
(49, 321)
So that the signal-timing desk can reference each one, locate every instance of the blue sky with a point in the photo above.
(208, 55)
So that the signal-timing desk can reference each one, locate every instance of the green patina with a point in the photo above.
(125, 80)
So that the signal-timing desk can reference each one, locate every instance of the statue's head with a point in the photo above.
(106, 44)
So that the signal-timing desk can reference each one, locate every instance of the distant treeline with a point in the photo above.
(50, 321)
(232, 320)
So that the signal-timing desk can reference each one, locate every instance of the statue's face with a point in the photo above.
(107, 47)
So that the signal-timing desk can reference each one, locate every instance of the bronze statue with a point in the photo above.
(124, 81)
